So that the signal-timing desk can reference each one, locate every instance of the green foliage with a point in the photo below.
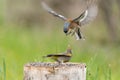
(4, 69)
(21, 45)
(0, 73)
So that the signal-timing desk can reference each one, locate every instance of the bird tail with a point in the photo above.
(78, 34)
(49, 55)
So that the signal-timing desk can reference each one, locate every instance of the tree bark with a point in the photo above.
(54, 71)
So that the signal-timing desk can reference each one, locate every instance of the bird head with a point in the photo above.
(69, 49)
(66, 28)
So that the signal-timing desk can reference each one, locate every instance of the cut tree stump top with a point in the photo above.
(54, 71)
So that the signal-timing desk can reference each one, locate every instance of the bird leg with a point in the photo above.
(73, 31)
(77, 37)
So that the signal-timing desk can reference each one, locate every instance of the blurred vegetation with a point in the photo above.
(27, 32)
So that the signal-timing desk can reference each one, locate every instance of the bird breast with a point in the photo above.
(64, 59)
(73, 25)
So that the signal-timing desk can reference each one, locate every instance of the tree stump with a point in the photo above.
(54, 71)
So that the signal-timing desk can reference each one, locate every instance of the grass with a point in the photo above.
(3, 71)
(21, 45)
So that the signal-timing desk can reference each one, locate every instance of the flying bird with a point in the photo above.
(61, 57)
(72, 26)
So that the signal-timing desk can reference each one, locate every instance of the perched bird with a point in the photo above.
(72, 26)
(61, 57)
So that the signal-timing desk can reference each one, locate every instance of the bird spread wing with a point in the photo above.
(53, 12)
(79, 17)
(89, 14)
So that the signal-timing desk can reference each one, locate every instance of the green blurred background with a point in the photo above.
(27, 32)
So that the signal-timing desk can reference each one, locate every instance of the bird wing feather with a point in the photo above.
(89, 14)
(57, 55)
(47, 8)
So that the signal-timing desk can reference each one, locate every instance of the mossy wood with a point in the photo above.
(54, 71)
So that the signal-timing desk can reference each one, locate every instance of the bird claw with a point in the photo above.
(78, 38)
